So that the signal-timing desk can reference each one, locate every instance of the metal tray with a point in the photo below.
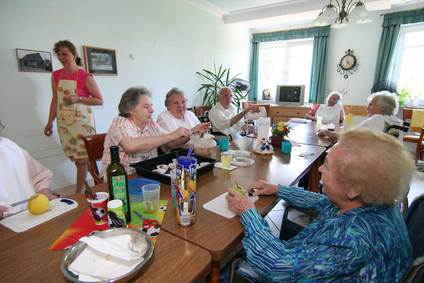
(144, 168)
(76, 249)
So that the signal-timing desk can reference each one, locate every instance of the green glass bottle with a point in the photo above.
(118, 181)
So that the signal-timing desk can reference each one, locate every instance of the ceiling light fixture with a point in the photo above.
(339, 14)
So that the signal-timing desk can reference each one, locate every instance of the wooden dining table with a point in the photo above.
(306, 133)
(183, 254)
(25, 257)
(221, 236)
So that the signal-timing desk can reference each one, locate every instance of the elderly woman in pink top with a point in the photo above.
(74, 90)
(21, 178)
(137, 135)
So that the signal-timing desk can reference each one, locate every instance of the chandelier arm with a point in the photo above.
(338, 8)
(350, 5)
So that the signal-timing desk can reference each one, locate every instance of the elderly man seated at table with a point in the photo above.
(177, 115)
(359, 234)
(332, 112)
(21, 177)
(381, 109)
(224, 117)
(137, 135)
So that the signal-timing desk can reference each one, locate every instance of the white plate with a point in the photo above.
(242, 161)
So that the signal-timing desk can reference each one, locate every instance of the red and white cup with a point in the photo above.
(98, 207)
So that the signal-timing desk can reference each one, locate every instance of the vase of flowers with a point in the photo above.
(280, 132)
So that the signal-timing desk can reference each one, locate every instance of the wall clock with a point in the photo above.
(348, 64)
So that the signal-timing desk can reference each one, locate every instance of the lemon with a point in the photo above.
(38, 204)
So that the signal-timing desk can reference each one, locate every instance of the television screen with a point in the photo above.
(290, 94)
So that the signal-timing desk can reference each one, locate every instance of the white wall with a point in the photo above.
(171, 40)
(364, 40)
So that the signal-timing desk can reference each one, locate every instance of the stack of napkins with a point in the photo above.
(108, 258)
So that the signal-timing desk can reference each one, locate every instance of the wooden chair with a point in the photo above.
(419, 153)
(358, 110)
(94, 145)
(200, 111)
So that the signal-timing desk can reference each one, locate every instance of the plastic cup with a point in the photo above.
(115, 214)
(151, 196)
(98, 207)
(226, 160)
(224, 144)
(286, 147)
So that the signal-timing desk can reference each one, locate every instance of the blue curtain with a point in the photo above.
(319, 70)
(391, 27)
(253, 74)
(319, 59)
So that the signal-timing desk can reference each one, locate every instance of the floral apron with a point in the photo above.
(73, 121)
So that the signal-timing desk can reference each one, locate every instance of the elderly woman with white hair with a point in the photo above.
(381, 109)
(359, 234)
(224, 116)
(177, 115)
(332, 112)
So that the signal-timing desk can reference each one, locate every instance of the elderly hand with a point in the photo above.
(328, 134)
(323, 133)
(237, 202)
(201, 128)
(182, 132)
(253, 108)
(262, 188)
(3, 209)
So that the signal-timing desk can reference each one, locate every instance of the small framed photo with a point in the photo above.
(100, 61)
(34, 61)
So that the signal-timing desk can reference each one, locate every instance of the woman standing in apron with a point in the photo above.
(74, 90)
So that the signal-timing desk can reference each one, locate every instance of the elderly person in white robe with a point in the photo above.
(332, 112)
(21, 177)
(224, 116)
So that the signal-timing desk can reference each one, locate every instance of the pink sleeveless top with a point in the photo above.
(81, 83)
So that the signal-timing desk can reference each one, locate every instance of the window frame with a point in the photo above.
(285, 45)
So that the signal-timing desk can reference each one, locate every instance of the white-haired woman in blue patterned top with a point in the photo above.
(359, 234)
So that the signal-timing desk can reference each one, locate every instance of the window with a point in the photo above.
(407, 70)
(284, 62)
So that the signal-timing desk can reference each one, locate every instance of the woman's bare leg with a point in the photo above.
(82, 168)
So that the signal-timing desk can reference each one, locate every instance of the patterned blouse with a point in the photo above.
(124, 127)
(365, 244)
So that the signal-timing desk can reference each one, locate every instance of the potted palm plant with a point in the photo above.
(218, 78)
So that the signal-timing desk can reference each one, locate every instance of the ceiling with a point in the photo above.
(263, 14)
(230, 6)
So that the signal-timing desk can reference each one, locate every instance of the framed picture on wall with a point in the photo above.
(100, 61)
(34, 61)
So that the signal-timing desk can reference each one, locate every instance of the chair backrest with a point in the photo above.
(199, 111)
(419, 153)
(417, 120)
(94, 146)
(415, 223)
(358, 110)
